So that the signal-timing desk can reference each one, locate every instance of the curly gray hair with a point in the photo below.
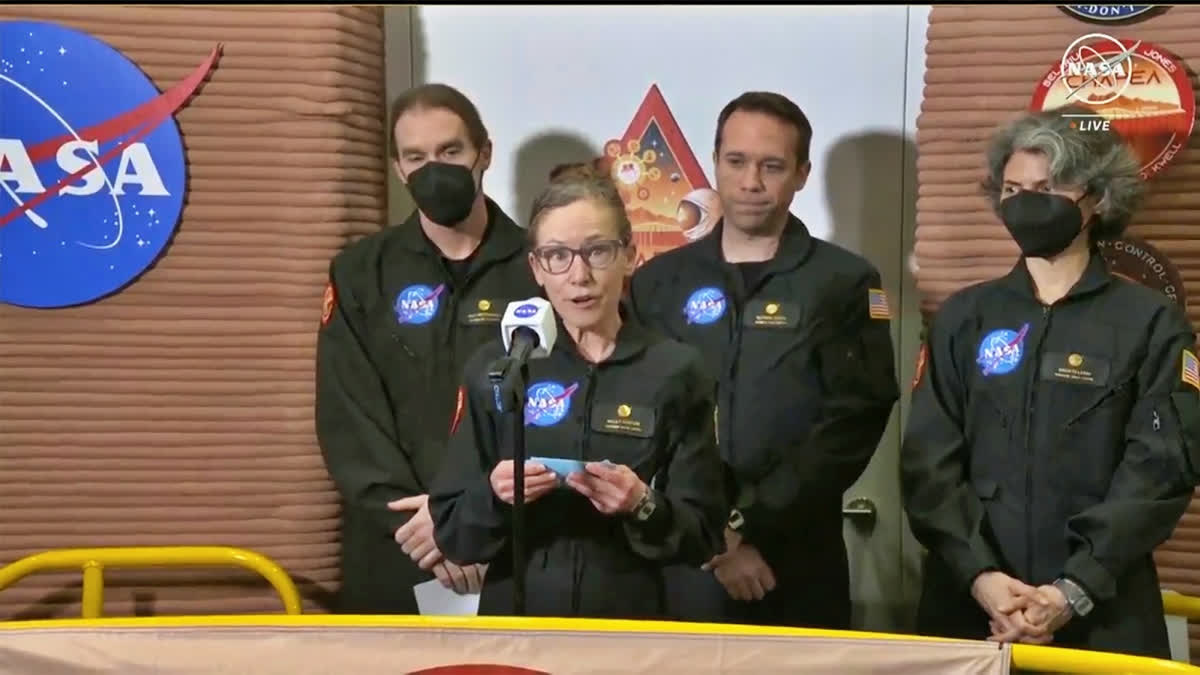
(1098, 161)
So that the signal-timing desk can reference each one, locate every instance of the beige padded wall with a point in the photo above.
(180, 410)
(982, 63)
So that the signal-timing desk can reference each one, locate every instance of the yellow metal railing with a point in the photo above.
(93, 561)
(1027, 657)
(1177, 604)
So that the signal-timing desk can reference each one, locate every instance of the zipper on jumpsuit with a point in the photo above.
(1029, 458)
(736, 304)
(576, 547)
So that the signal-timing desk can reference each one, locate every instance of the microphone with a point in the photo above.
(529, 329)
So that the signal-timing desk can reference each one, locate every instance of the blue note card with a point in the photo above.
(561, 467)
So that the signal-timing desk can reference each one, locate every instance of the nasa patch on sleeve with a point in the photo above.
(93, 172)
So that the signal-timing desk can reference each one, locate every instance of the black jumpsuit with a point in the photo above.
(1052, 440)
(802, 352)
(648, 406)
(403, 323)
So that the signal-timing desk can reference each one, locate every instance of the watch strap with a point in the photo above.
(1077, 598)
(645, 505)
(736, 520)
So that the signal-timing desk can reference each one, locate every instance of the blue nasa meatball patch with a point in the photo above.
(547, 403)
(1001, 351)
(418, 304)
(705, 305)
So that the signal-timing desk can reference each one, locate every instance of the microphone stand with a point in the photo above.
(510, 380)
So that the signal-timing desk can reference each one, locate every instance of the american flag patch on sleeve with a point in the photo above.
(1191, 369)
(879, 304)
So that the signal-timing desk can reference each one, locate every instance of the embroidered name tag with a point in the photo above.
(623, 418)
(771, 314)
(483, 310)
(1076, 368)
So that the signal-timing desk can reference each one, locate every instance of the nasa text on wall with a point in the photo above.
(92, 166)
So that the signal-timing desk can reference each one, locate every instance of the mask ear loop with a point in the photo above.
(1090, 223)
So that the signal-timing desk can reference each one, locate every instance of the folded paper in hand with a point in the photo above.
(434, 599)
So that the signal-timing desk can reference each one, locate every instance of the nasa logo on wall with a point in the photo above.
(1135, 259)
(1108, 13)
(1135, 88)
(92, 167)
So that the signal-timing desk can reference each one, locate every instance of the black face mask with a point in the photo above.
(1042, 224)
(444, 192)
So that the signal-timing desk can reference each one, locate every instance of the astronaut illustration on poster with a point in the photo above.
(669, 200)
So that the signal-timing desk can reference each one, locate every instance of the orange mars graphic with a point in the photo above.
(667, 197)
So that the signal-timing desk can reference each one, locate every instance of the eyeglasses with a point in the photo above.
(557, 259)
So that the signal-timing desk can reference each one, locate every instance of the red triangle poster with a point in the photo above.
(667, 197)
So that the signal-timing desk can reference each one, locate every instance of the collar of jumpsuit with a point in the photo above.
(794, 245)
(631, 341)
(499, 243)
(1095, 277)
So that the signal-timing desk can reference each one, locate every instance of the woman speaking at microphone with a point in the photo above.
(634, 409)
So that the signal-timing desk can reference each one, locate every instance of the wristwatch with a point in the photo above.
(1077, 598)
(645, 506)
(736, 521)
(745, 499)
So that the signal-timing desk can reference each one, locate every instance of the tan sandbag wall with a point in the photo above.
(982, 63)
(179, 411)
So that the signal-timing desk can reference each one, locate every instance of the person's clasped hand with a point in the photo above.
(416, 536)
(1047, 612)
(742, 570)
(612, 488)
(1005, 600)
(539, 481)
(416, 539)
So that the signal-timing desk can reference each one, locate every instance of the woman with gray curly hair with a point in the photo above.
(1051, 443)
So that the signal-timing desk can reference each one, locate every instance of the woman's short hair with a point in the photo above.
(1099, 161)
(570, 183)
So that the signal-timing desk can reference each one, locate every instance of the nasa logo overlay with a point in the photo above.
(525, 311)
(1107, 13)
(92, 165)
(1134, 88)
